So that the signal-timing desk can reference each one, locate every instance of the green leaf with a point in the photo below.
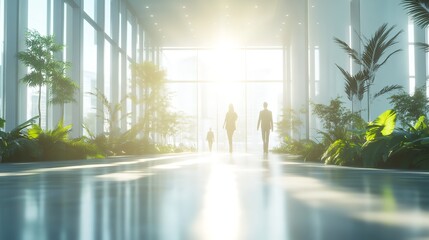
(383, 125)
(2, 122)
(418, 10)
(421, 124)
(34, 132)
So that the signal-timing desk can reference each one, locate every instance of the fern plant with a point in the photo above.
(56, 145)
(15, 146)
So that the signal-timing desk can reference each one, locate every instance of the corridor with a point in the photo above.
(210, 196)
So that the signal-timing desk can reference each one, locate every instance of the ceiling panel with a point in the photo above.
(205, 23)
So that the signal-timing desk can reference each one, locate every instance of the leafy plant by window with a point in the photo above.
(370, 60)
(15, 145)
(56, 145)
(290, 122)
(157, 116)
(110, 112)
(409, 108)
(45, 69)
(335, 115)
(343, 152)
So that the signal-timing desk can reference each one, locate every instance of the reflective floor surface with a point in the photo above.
(210, 196)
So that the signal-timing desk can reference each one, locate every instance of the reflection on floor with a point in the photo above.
(210, 196)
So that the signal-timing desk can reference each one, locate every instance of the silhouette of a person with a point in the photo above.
(210, 138)
(229, 124)
(265, 121)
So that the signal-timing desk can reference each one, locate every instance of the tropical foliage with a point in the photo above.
(157, 117)
(410, 107)
(15, 145)
(370, 61)
(290, 122)
(337, 121)
(56, 144)
(46, 70)
(110, 112)
(308, 149)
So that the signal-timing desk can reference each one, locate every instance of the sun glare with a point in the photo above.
(220, 216)
(228, 74)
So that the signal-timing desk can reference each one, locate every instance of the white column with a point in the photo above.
(74, 53)
(420, 57)
(123, 77)
(15, 94)
(100, 64)
(114, 53)
(58, 23)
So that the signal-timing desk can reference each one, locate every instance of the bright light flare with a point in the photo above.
(220, 216)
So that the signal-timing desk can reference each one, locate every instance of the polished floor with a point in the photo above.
(210, 196)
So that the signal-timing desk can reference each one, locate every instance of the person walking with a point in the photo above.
(230, 124)
(210, 138)
(265, 121)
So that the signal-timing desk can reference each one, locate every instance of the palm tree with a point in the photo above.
(419, 11)
(354, 85)
(370, 60)
(45, 70)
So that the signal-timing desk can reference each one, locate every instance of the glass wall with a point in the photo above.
(107, 75)
(89, 7)
(37, 21)
(107, 17)
(1, 54)
(205, 81)
(89, 76)
(100, 53)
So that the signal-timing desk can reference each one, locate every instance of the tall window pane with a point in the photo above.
(129, 39)
(89, 8)
(37, 20)
(130, 91)
(89, 75)
(107, 75)
(264, 64)
(1, 54)
(107, 17)
(180, 64)
(221, 64)
(185, 96)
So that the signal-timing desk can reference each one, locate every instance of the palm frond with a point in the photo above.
(418, 10)
(387, 89)
(377, 45)
(350, 51)
(422, 46)
(354, 84)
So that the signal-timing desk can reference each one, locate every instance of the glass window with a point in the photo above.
(220, 80)
(37, 16)
(130, 91)
(129, 39)
(118, 84)
(120, 30)
(89, 75)
(89, 8)
(107, 17)
(180, 64)
(185, 96)
(264, 64)
(138, 53)
(107, 75)
(221, 64)
(38, 21)
(1, 54)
